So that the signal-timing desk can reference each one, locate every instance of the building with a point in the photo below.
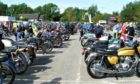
(6, 18)
(31, 17)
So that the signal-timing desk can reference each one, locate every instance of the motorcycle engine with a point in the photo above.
(124, 64)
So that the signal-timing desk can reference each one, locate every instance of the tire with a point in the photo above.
(85, 57)
(23, 66)
(67, 37)
(47, 47)
(88, 43)
(59, 41)
(82, 41)
(7, 70)
(90, 71)
(138, 69)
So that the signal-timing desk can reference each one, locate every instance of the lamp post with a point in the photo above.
(89, 16)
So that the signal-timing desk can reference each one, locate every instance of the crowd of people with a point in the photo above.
(125, 30)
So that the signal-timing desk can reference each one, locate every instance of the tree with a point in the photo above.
(73, 14)
(38, 10)
(128, 12)
(100, 16)
(92, 10)
(3, 8)
(131, 12)
(51, 12)
(19, 9)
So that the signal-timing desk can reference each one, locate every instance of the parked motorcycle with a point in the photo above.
(115, 61)
(88, 38)
(7, 69)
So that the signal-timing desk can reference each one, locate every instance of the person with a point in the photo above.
(130, 31)
(72, 28)
(98, 31)
(30, 31)
(18, 33)
(81, 30)
(14, 27)
(118, 30)
(123, 31)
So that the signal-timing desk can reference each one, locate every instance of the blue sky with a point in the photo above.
(103, 5)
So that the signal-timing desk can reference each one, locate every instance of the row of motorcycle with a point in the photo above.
(108, 56)
(17, 56)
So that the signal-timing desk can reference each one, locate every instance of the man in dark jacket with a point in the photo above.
(98, 31)
(130, 32)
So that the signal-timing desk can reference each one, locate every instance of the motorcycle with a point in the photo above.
(115, 61)
(7, 69)
(28, 48)
(99, 44)
(88, 38)
(66, 35)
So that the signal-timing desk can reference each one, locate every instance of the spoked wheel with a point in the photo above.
(83, 41)
(21, 64)
(88, 43)
(67, 37)
(58, 42)
(47, 47)
(85, 57)
(92, 72)
(8, 74)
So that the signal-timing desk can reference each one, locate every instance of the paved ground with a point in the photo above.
(66, 66)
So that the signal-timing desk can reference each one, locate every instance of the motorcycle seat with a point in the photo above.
(126, 48)
(101, 43)
(8, 50)
(19, 43)
(107, 52)
(93, 39)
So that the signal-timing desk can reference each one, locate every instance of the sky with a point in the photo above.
(104, 6)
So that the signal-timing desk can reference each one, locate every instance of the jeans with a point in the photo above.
(18, 36)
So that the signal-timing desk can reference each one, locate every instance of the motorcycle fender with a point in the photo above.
(93, 55)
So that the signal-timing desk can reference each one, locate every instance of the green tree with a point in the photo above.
(38, 10)
(3, 8)
(19, 9)
(100, 16)
(128, 12)
(73, 14)
(131, 12)
(92, 10)
(51, 12)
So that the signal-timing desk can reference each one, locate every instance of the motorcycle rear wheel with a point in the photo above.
(91, 72)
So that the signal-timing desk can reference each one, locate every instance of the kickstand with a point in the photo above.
(116, 76)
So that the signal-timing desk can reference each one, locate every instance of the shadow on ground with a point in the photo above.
(54, 81)
(121, 75)
(38, 66)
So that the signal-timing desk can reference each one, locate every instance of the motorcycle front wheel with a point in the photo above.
(22, 64)
(8, 74)
(92, 72)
